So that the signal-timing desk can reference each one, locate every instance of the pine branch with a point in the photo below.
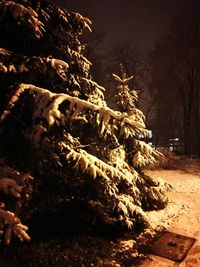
(23, 15)
(9, 186)
(17, 186)
(10, 224)
(127, 205)
(47, 107)
(122, 80)
(145, 155)
(92, 165)
(86, 22)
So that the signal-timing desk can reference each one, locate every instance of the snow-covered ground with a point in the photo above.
(182, 215)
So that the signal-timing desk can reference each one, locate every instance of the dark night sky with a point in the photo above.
(141, 21)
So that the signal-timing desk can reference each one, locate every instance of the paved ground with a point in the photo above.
(183, 212)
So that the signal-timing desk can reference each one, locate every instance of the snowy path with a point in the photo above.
(182, 215)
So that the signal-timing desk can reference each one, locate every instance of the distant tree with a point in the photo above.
(55, 125)
(126, 54)
(95, 53)
(134, 62)
(146, 100)
(164, 92)
(176, 80)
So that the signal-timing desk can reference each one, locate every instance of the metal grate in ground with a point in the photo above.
(172, 246)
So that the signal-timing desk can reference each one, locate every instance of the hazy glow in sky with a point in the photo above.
(141, 21)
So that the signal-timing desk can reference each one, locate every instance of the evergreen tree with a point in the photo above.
(56, 126)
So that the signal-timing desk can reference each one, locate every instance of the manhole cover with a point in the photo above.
(172, 246)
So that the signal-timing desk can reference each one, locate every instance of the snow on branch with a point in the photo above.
(15, 184)
(122, 80)
(25, 66)
(47, 107)
(90, 82)
(23, 15)
(11, 224)
(19, 186)
(129, 209)
(5, 52)
(97, 96)
(74, 54)
(57, 63)
(92, 165)
(9, 186)
(109, 178)
(85, 21)
(145, 154)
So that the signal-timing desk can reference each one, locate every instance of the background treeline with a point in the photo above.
(167, 79)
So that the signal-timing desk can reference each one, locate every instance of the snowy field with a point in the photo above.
(182, 215)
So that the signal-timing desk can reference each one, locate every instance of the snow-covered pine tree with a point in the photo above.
(138, 153)
(56, 126)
